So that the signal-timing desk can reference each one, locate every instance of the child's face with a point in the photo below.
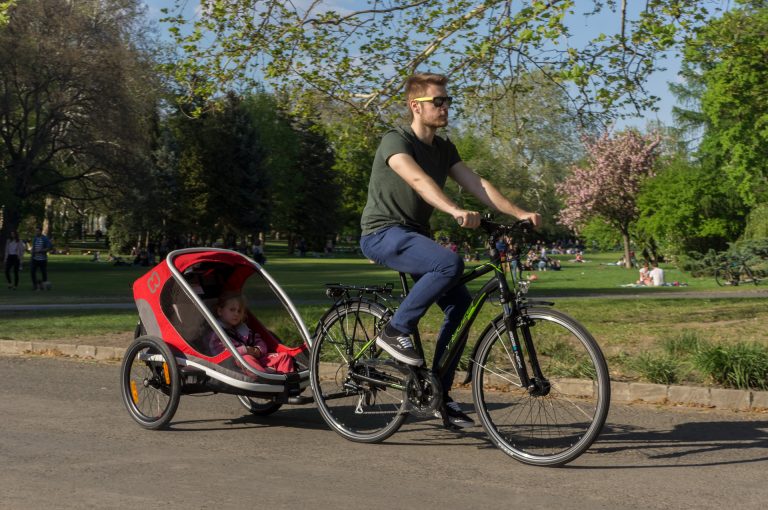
(231, 313)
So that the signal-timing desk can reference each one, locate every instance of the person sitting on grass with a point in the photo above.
(656, 275)
(645, 277)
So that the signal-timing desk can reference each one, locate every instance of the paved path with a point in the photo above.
(67, 442)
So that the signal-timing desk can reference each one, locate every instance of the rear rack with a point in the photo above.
(336, 291)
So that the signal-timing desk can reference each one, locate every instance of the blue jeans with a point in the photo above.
(435, 270)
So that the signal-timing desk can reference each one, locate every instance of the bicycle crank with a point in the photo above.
(424, 393)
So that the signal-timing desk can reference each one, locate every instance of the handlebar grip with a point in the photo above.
(525, 224)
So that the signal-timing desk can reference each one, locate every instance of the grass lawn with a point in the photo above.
(77, 280)
(624, 326)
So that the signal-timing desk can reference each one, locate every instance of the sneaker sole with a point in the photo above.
(462, 424)
(417, 362)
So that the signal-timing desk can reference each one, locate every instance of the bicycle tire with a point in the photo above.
(723, 276)
(746, 276)
(360, 411)
(557, 427)
(259, 406)
(150, 383)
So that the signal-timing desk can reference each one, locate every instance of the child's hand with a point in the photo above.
(253, 351)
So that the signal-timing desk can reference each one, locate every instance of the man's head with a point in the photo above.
(428, 99)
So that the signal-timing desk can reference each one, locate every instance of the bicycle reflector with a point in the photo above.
(134, 393)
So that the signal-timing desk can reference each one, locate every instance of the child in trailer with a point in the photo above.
(231, 311)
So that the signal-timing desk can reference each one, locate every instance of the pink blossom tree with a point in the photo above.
(607, 185)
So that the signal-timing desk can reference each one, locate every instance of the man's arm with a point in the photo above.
(488, 194)
(409, 170)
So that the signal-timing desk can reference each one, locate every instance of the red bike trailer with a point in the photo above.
(170, 355)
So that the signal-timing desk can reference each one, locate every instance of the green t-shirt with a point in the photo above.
(391, 201)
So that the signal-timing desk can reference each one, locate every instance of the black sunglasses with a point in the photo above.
(438, 101)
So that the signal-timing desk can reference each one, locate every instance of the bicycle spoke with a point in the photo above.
(543, 425)
(355, 407)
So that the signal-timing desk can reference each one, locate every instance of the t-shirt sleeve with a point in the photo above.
(393, 143)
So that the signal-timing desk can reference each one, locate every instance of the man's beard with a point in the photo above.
(436, 123)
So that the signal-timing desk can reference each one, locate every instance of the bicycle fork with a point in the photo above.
(538, 385)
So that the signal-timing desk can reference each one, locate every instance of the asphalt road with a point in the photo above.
(67, 442)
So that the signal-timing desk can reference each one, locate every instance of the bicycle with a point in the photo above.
(735, 273)
(540, 383)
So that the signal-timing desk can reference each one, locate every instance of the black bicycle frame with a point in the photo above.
(512, 318)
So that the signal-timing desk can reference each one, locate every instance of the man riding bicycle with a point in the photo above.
(409, 172)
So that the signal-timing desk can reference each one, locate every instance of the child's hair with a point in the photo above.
(229, 296)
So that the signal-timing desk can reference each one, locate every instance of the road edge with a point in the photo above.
(621, 392)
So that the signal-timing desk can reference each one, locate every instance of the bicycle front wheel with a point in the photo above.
(557, 422)
(746, 276)
(358, 388)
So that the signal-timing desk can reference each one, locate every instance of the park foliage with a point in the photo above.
(262, 117)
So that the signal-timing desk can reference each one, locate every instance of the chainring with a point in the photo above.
(424, 393)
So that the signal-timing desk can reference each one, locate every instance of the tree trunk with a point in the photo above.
(627, 259)
(48, 217)
(291, 243)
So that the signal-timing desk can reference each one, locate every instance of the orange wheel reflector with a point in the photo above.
(134, 393)
(167, 373)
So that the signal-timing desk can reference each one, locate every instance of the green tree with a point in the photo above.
(361, 56)
(534, 137)
(75, 96)
(314, 206)
(727, 64)
(223, 182)
(476, 150)
(689, 206)
(354, 141)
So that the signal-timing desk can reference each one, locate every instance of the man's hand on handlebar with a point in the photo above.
(534, 218)
(468, 219)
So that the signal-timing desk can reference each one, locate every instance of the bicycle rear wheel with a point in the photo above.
(550, 427)
(352, 405)
(724, 276)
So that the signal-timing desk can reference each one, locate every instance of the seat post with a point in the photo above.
(404, 283)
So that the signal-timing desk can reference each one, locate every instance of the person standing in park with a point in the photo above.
(14, 252)
(409, 171)
(41, 245)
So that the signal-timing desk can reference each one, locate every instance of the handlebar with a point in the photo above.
(491, 228)
(517, 228)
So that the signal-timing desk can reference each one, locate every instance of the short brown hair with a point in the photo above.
(416, 84)
(226, 297)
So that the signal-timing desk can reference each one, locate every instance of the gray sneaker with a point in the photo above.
(453, 417)
(400, 347)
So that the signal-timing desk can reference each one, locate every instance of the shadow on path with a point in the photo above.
(687, 444)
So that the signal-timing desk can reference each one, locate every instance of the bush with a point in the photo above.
(685, 344)
(699, 264)
(754, 252)
(741, 365)
(657, 368)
